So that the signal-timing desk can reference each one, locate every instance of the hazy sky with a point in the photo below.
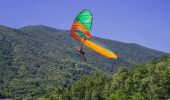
(145, 22)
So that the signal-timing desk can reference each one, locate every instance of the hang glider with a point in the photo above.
(80, 31)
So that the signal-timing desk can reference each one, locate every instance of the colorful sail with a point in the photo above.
(82, 25)
(80, 31)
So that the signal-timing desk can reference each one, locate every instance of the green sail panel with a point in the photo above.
(85, 17)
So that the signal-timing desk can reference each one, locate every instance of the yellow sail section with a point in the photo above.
(100, 49)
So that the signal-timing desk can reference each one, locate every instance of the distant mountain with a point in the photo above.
(39, 59)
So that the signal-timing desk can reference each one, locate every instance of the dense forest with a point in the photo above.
(150, 81)
(37, 60)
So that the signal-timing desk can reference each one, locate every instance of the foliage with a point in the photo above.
(150, 81)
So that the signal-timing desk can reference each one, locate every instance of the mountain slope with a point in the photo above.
(128, 53)
(39, 59)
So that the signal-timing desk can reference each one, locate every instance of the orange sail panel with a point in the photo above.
(78, 27)
(100, 49)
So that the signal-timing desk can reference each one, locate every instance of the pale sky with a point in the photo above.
(145, 22)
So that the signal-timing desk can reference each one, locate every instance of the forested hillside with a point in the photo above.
(36, 60)
(150, 81)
